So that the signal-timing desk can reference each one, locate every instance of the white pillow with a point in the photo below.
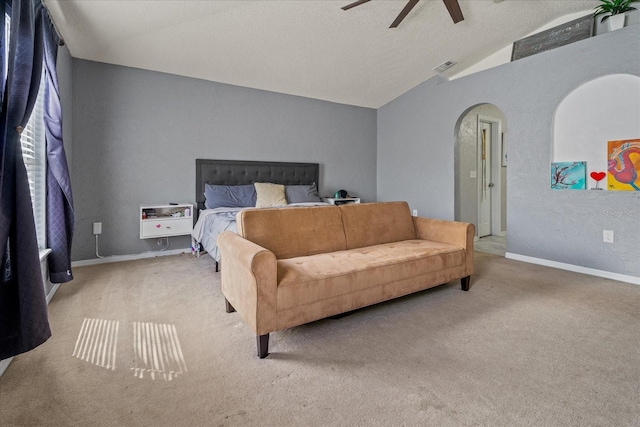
(269, 195)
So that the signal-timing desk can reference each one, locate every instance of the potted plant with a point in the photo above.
(614, 9)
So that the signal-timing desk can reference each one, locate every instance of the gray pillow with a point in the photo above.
(229, 196)
(302, 193)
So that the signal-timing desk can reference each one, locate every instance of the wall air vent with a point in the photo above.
(444, 66)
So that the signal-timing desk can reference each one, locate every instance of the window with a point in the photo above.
(7, 26)
(34, 155)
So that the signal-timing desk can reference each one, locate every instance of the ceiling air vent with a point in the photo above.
(444, 66)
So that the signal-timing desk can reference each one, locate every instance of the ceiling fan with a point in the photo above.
(452, 6)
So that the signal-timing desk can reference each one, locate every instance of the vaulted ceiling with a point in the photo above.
(310, 48)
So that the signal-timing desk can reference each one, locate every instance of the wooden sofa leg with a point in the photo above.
(217, 267)
(263, 345)
(228, 306)
(465, 282)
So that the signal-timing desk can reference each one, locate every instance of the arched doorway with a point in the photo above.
(481, 175)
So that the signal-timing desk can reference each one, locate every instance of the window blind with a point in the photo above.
(5, 47)
(32, 141)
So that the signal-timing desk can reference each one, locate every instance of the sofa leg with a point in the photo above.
(263, 345)
(228, 306)
(217, 267)
(465, 282)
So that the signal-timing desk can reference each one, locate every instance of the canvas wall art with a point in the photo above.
(623, 165)
(569, 175)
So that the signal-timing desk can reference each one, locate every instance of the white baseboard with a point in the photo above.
(576, 268)
(52, 292)
(4, 364)
(118, 258)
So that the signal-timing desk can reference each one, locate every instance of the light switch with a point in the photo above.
(473, 174)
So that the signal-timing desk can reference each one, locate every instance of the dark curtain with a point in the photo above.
(24, 322)
(60, 217)
(3, 7)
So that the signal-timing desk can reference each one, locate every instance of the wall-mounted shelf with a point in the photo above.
(165, 220)
(343, 201)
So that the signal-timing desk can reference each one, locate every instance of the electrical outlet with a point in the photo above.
(607, 236)
(97, 228)
(415, 212)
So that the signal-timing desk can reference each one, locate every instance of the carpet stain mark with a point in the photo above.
(239, 413)
(427, 406)
(282, 378)
(97, 342)
(157, 351)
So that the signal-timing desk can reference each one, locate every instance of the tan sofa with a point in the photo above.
(294, 265)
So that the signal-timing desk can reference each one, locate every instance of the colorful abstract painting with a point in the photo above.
(623, 165)
(569, 175)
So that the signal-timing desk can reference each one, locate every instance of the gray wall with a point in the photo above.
(416, 135)
(136, 135)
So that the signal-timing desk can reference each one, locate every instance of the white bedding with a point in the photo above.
(212, 222)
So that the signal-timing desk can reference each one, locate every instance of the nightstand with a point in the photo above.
(344, 201)
(165, 220)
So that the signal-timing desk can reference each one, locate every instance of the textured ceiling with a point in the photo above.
(309, 48)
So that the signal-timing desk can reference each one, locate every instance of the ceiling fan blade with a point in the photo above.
(454, 10)
(404, 13)
(354, 4)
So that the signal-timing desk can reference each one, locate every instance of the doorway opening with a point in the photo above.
(481, 175)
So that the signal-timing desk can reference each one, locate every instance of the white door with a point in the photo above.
(484, 179)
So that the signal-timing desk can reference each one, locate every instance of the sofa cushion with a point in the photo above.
(293, 231)
(305, 280)
(367, 224)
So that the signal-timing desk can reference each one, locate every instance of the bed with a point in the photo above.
(216, 174)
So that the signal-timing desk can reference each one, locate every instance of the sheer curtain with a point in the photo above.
(24, 322)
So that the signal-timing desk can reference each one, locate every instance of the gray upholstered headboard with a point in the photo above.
(240, 172)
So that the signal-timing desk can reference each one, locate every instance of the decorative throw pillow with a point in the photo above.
(302, 193)
(269, 195)
(229, 196)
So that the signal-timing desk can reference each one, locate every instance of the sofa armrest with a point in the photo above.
(450, 232)
(249, 281)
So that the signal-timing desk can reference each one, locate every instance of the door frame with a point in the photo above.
(496, 175)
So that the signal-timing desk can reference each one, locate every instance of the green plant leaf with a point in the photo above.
(613, 7)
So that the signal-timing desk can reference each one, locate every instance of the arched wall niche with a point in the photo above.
(603, 109)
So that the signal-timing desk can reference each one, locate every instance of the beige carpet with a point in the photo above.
(526, 346)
